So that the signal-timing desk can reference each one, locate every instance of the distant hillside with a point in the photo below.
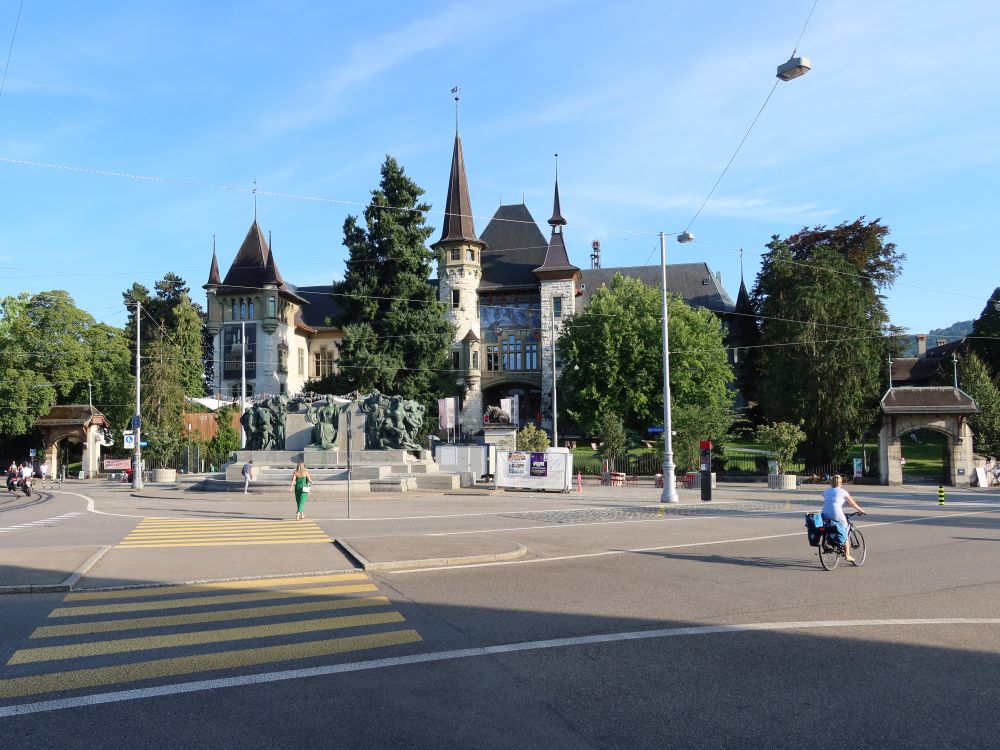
(954, 331)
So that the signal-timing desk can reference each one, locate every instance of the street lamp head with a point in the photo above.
(795, 67)
(685, 237)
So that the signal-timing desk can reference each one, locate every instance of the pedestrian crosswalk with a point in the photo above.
(41, 522)
(183, 532)
(134, 636)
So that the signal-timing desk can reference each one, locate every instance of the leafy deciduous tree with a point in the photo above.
(977, 382)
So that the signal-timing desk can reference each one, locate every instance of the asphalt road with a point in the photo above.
(624, 623)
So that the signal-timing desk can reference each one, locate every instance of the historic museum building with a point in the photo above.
(508, 292)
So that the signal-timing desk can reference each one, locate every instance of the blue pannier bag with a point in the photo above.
(814, 528)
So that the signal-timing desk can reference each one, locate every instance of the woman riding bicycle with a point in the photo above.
(833, 510)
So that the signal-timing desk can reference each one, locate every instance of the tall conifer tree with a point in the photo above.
(396, 335)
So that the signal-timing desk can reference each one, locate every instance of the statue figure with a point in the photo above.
(495, 415)
(264, 424)
(373, 405)
(249, 423)
(278, 408)
(323, 416)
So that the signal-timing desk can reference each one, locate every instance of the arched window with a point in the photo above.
(233, 317)
(243, 309)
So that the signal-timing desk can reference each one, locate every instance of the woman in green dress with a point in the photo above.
(300, 484)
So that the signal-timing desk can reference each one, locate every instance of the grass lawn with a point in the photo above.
(924, 458)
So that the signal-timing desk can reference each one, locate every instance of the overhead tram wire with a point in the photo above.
(747, 133)
(10, 51)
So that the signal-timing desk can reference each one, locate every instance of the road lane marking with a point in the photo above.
(248, 543)
(165, 533)
(200, 637)
(258, 583)
(226, 615)
(17, 687)
(207, 601)
(41, 522)
(637, 550)
(442, 656)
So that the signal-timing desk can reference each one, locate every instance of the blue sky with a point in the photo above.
(645, 102)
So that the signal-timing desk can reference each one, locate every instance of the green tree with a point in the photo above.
(612, 357)
(396, 335)
(530, 438)
(226, 438)
(978, 383)
(187, 338)
(825, 333)
(49, 351)
(985, 338)
(614, 442)
(162, 401)
(113, 383)
(781, 440)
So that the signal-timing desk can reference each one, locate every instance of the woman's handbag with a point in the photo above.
(305, 488)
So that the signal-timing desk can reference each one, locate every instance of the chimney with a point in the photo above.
(921, 344)
(942, 342)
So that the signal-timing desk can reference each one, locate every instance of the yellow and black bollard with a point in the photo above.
(940, 494)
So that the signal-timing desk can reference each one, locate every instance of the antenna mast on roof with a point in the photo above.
(254, 191)
(455, 90)
(595, 254)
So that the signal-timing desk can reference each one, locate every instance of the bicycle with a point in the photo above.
(830, 553)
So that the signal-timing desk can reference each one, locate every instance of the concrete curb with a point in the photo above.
(58, 588)
(433, 562)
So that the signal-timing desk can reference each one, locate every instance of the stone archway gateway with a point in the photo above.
(941, 409)
(74, 423)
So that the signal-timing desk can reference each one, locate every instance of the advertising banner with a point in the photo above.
(447, 411)
(551, 470)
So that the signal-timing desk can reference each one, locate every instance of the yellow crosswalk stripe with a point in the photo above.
(169, 533)
(200, 637)
(258, 583)
(121, 673)
(225, 615)
(224, 544)
(205, 601)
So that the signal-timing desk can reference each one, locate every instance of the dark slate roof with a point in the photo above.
(556, 264)
(214, 280)
(321, 305)
(70, 414)
(693, 281)
(913, 370)
(254, 266)
(913, 400)
(471, 337)
(458, 224)
(515, 248)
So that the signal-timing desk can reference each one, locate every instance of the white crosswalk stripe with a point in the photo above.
(43, 522)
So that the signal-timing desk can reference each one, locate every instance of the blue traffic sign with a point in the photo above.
(654, 429)
(143, 443)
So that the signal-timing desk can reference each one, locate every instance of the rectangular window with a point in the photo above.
(456, 360)
(493, 358)
(232, 363)
(530, 356)
(455, 254)
(475, 360)
(456, 298)
(557, 306)
(323, 362)
(302, 362)
(470, 255)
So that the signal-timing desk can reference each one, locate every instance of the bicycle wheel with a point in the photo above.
(858, 549)
(829, 554)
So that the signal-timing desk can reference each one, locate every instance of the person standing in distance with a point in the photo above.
(833, 510)
(301, 484)
(247, 475)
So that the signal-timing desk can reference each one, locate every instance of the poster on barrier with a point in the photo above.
(551, 470)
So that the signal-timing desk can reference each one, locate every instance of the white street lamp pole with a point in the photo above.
(669, 494)
(243, 381)
(137, 428)
(555, 411)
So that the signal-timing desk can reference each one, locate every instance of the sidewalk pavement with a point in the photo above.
(53, 569)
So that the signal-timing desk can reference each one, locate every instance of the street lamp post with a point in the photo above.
(555, 414)
(669, 494)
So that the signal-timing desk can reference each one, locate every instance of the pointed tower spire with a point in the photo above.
(458, 224)
(214, 280)
(557, 219)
